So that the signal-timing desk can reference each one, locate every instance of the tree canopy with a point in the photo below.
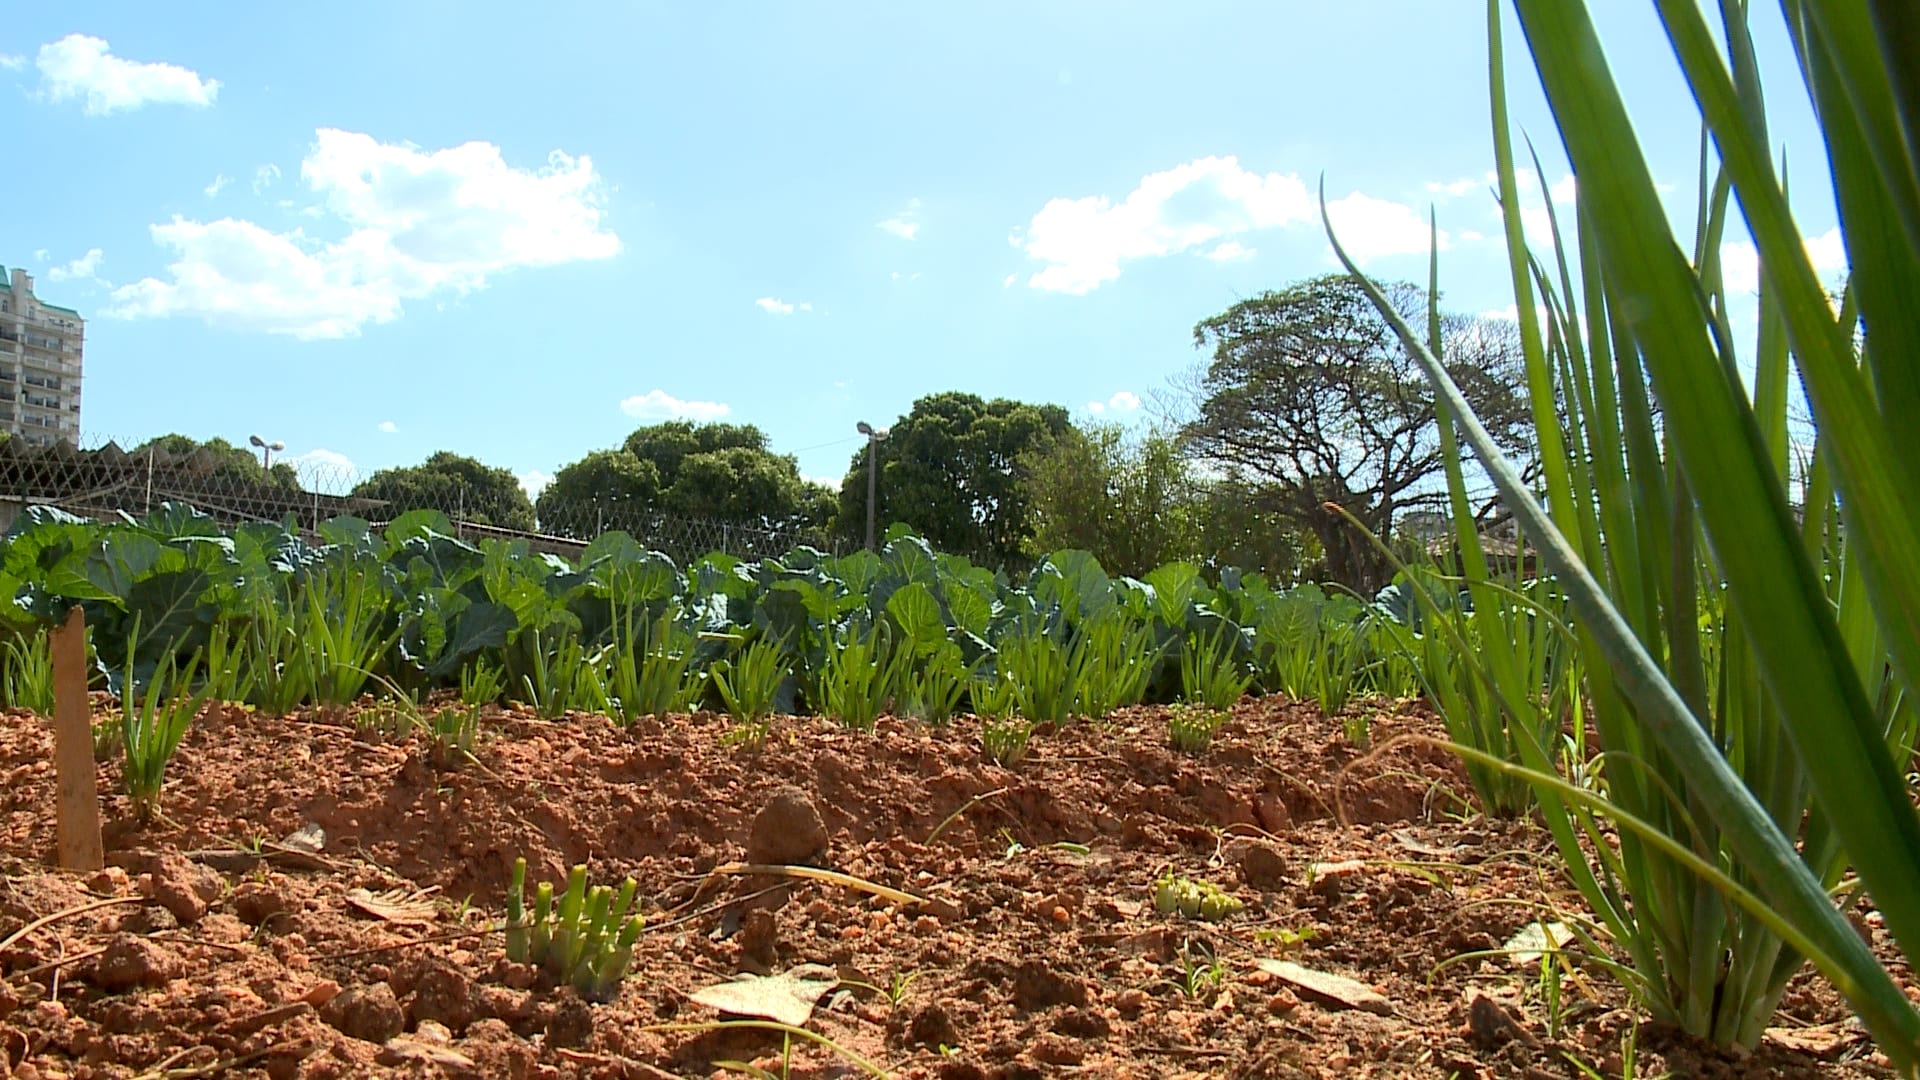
(952, 470)
(460, 486)
(223, 459)
(1310, 395)
(722, 473)
(1136, 502)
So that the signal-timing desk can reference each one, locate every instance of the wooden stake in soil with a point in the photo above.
(78, 809)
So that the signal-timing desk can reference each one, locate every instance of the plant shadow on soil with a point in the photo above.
(1038, 951)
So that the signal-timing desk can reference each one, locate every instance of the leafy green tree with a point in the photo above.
(607, 489)
(952, 469)
(1310, 396)
(1137, 503)
(222, 459)
(457, 485)
(722, 473)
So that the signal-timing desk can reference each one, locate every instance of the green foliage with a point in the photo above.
(1193, 898)
(154, 719)
(584, 940)
(1750, 669)
(218, 457)
(721, 473)
(452, 484)
(1191, 727)
(1211, 672)
(26, 680)
(951, 470)
(750, 684)
(1309, 395)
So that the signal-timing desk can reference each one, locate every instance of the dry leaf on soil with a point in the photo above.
(786, 998)
(1336, 990)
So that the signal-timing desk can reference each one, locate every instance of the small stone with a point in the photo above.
(111, 881)
(1054, 1050)
(1282, 1004)
(1263, 867)
(1037, 986)
(369, 1013)
(571, 1024)
(787, 831)
(257, 901)
(321, 992)
(1130, 1002)
(132, 961)
(433, 1033)
(179, 885)
(443, 995)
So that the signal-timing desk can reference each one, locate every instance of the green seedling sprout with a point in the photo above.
(1194, 899)
(585, 941)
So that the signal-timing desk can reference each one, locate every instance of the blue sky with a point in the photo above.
(374, 231)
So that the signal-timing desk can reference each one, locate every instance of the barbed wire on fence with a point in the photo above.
(105, 479)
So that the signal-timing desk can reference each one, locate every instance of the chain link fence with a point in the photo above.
(105, 478)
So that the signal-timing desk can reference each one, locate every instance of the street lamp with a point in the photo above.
(266, 450)
(874, 439)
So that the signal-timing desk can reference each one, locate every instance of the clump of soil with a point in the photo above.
(1036, 949)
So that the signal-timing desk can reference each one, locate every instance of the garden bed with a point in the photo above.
(237, 949)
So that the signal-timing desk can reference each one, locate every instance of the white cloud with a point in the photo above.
(79, 66)
(1511, 313)
(533, 481)
(1125, 401)
(660, 405)
(773, 305)
(897, 276)
(411, 225)
(1740, 261)
(1231, 251)
(1370, 227)
(1564, 190)
(1453, 188)
(264, 177)
(83, 268)
(906, 223)
(219, 184)
(40, 255)
(388, 427)
(1008, 281)
(824, 481)
(1204, 203)
(326, 471)
(1086, 240)
(11, 62)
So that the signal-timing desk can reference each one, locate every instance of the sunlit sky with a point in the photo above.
(373, 231)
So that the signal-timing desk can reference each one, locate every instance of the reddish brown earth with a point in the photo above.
(1026, 959)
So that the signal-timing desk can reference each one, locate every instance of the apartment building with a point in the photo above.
(39, 364)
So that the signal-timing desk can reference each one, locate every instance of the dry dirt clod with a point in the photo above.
(1263, 867)
(132, 961)
(445, 996)
(571, 1024)
(759, 942)
(787, 831)
(1037, 986)
(369, 1013)
(1489, 1025)
(180, 885)
(257, 901)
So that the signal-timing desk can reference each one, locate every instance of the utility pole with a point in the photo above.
(874, 439)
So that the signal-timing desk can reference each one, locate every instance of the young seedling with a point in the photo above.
(1191, 726)
(585, 941)
(1194, 899)
(1201, 977)
(1005, 740)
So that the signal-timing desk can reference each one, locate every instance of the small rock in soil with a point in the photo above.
(9, 1001)
(788, 831)
(444, 995)
(181, 886)
(1082, 1024)
(407, 1051)
(369, 1013)
(1263, 867)
(1037, 986)
(571, 1024)
(933, 1026)
(257, 901)
(1054, 1050)
(759, 942)
(132, 961)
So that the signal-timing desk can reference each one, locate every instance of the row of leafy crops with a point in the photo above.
(264, 616)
